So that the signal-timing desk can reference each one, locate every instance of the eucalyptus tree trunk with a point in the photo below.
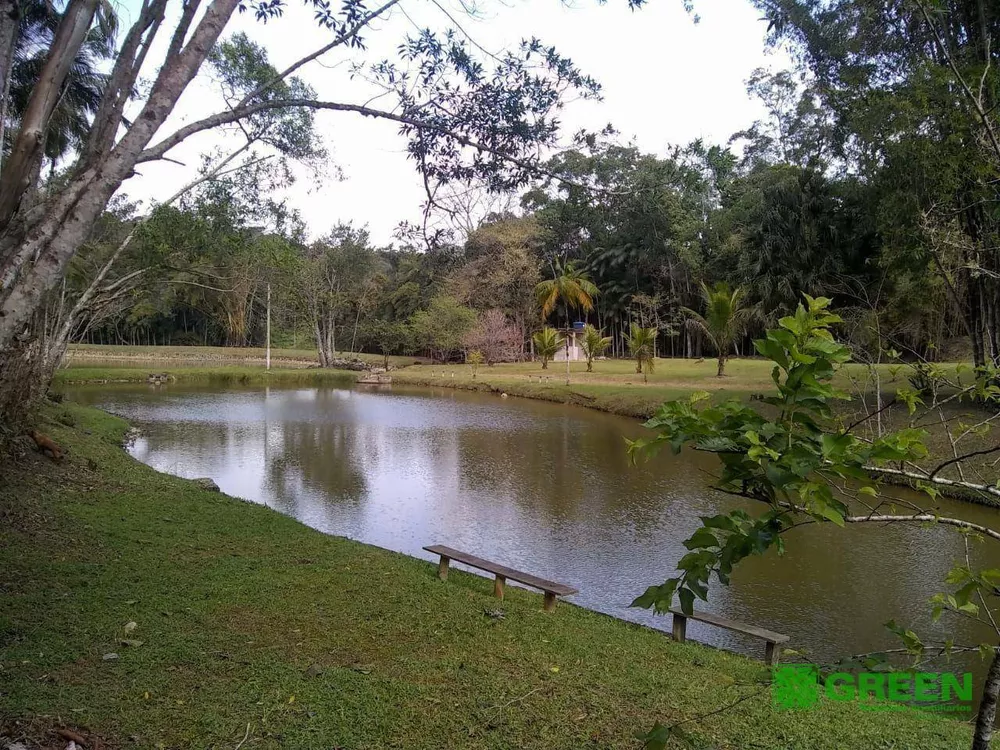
(39, 240)
(988, 706)
(26, 152)
(320, 343)
(10, 19)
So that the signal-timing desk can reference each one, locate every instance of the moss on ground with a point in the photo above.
(254, 627)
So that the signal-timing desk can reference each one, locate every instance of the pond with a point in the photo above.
(545, 488)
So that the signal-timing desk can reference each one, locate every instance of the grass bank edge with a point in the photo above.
(134, 543)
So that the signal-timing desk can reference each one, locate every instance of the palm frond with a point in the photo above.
(571, 287)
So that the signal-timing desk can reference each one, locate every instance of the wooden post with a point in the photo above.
(771, 653)
(443, 568)
(550, 601)
(680, 627)
(498, 586)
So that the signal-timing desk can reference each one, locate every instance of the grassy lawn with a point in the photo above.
(614, 385)
(251, 625)
(80, 353)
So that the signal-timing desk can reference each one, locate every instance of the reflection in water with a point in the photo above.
(541, 487)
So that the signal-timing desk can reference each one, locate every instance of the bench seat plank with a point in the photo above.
(560, 589)
(739, 627)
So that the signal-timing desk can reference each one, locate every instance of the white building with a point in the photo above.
(575, 348)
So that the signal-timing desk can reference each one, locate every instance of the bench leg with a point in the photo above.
(680, 628)
(443, 568)
(550, 601)
(498, 586)
(771, 654)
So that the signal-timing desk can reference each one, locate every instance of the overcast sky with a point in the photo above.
(666, 80)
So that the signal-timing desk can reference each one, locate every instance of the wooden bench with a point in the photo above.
(502, 573)
(770, 638)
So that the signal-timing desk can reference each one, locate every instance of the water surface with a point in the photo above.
(544, 488)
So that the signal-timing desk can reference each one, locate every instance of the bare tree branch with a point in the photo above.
(239, 113)
(976, 101)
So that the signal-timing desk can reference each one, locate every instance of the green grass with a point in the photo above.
(234, 603)
(80, 353)
(614, 386)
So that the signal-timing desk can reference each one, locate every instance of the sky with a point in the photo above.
(666, 80)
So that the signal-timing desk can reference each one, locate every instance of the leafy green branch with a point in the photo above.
(798, 459)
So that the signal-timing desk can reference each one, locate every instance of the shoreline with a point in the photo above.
(236, 361)
(227, 374)
(216, 609)
(643, 410)
(638, 402)
(628, 399)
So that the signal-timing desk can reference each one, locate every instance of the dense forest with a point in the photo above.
(776, 212)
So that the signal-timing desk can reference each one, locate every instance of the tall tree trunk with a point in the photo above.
(987, 706)
(25, 154)
(39, 245)
(10, 19)
(992, 321)
(974, 320)
(331, 337)
(722, 366)
(320, 342)
(354, 336)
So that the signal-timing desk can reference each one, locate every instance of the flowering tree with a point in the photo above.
(495, 337)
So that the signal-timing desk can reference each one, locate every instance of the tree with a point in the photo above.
(641, 344)
(494, 337)
(488, 121)
(82, 89)
(570, 289)
(804, 465)
(798, 130)
(474, 359)
(914, 113)
(724, 321)
(332, 275)
(547, 342)
(789, 231)
(442, 327)
(594, 343)
(389, 336)
(502, 270)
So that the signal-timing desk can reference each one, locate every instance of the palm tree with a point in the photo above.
(570, 288)
(725, 318)
(81, 94)
(547, 343)
(641, 345)
(595, 343)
